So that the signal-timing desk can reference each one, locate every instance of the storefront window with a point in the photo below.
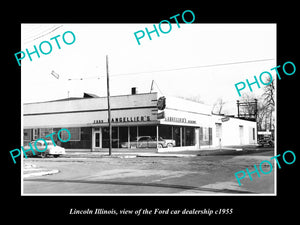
(133, 133)
(165, 132)
(147, 131)
(105, 137)
(45, 131)
(189, 137)
(176, 135)
(123, 134)
(75, 134)
(137, 136)
(120, 135)
(81, 138)
(27, 136)
(183, 136)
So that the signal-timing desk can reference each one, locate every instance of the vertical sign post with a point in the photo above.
(108, 107)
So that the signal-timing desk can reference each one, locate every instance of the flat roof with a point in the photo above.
(80, 98)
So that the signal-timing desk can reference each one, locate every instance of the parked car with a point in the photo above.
(266, 141)
(149, 142)
(51, 149)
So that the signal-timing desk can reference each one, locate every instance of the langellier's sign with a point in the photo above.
(125, 119)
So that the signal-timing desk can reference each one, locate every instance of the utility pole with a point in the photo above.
(238, 107)
(108, 107)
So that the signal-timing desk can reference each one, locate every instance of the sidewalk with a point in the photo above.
(131, 153)
(226, 150)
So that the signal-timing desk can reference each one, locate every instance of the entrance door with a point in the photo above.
(241, 134)
(219, 134)
(97, 138)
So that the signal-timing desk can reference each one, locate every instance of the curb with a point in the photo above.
(128, 155)
(42, 173)
(166, 155)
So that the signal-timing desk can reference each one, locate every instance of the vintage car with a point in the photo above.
(149, 142)
(266, 141)
(51, 149)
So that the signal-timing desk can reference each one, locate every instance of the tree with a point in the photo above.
(248, 109)
(262, 113)
(265, 106)
(268, 94)
(269, 101)
(218, 106)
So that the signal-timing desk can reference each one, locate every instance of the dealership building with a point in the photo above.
(190, 124)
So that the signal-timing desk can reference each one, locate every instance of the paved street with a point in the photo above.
(96, 174)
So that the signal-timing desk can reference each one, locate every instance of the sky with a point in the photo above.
(205, 60)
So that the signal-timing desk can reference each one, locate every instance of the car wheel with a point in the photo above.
(169, 145)
(43, 155)
(55, 156)
(159, 146)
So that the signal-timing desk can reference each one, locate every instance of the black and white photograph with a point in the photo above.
(134, 112)
(190, 111)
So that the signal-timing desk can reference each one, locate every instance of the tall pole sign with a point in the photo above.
(108, 107)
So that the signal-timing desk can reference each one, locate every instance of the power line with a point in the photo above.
(52, 29)
(193, 67)
(158, 87)
(175, 69)
(48, 32)
(86, 78)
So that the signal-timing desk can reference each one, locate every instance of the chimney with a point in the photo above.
(133, 90)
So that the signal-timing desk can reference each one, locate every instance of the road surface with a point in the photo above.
(213, 175)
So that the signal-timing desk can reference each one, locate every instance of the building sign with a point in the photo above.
(161, 115)
(161, 103)
(125, 119)
(179, 120)
(224, 119)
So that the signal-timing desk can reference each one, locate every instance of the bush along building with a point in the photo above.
(138, 121)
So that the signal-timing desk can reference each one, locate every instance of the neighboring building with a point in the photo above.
(188, 123)
(235, 131)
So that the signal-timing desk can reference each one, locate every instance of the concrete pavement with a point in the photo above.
(212, 174)
(30, 170)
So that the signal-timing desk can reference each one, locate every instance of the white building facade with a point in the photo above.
(190, 124)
